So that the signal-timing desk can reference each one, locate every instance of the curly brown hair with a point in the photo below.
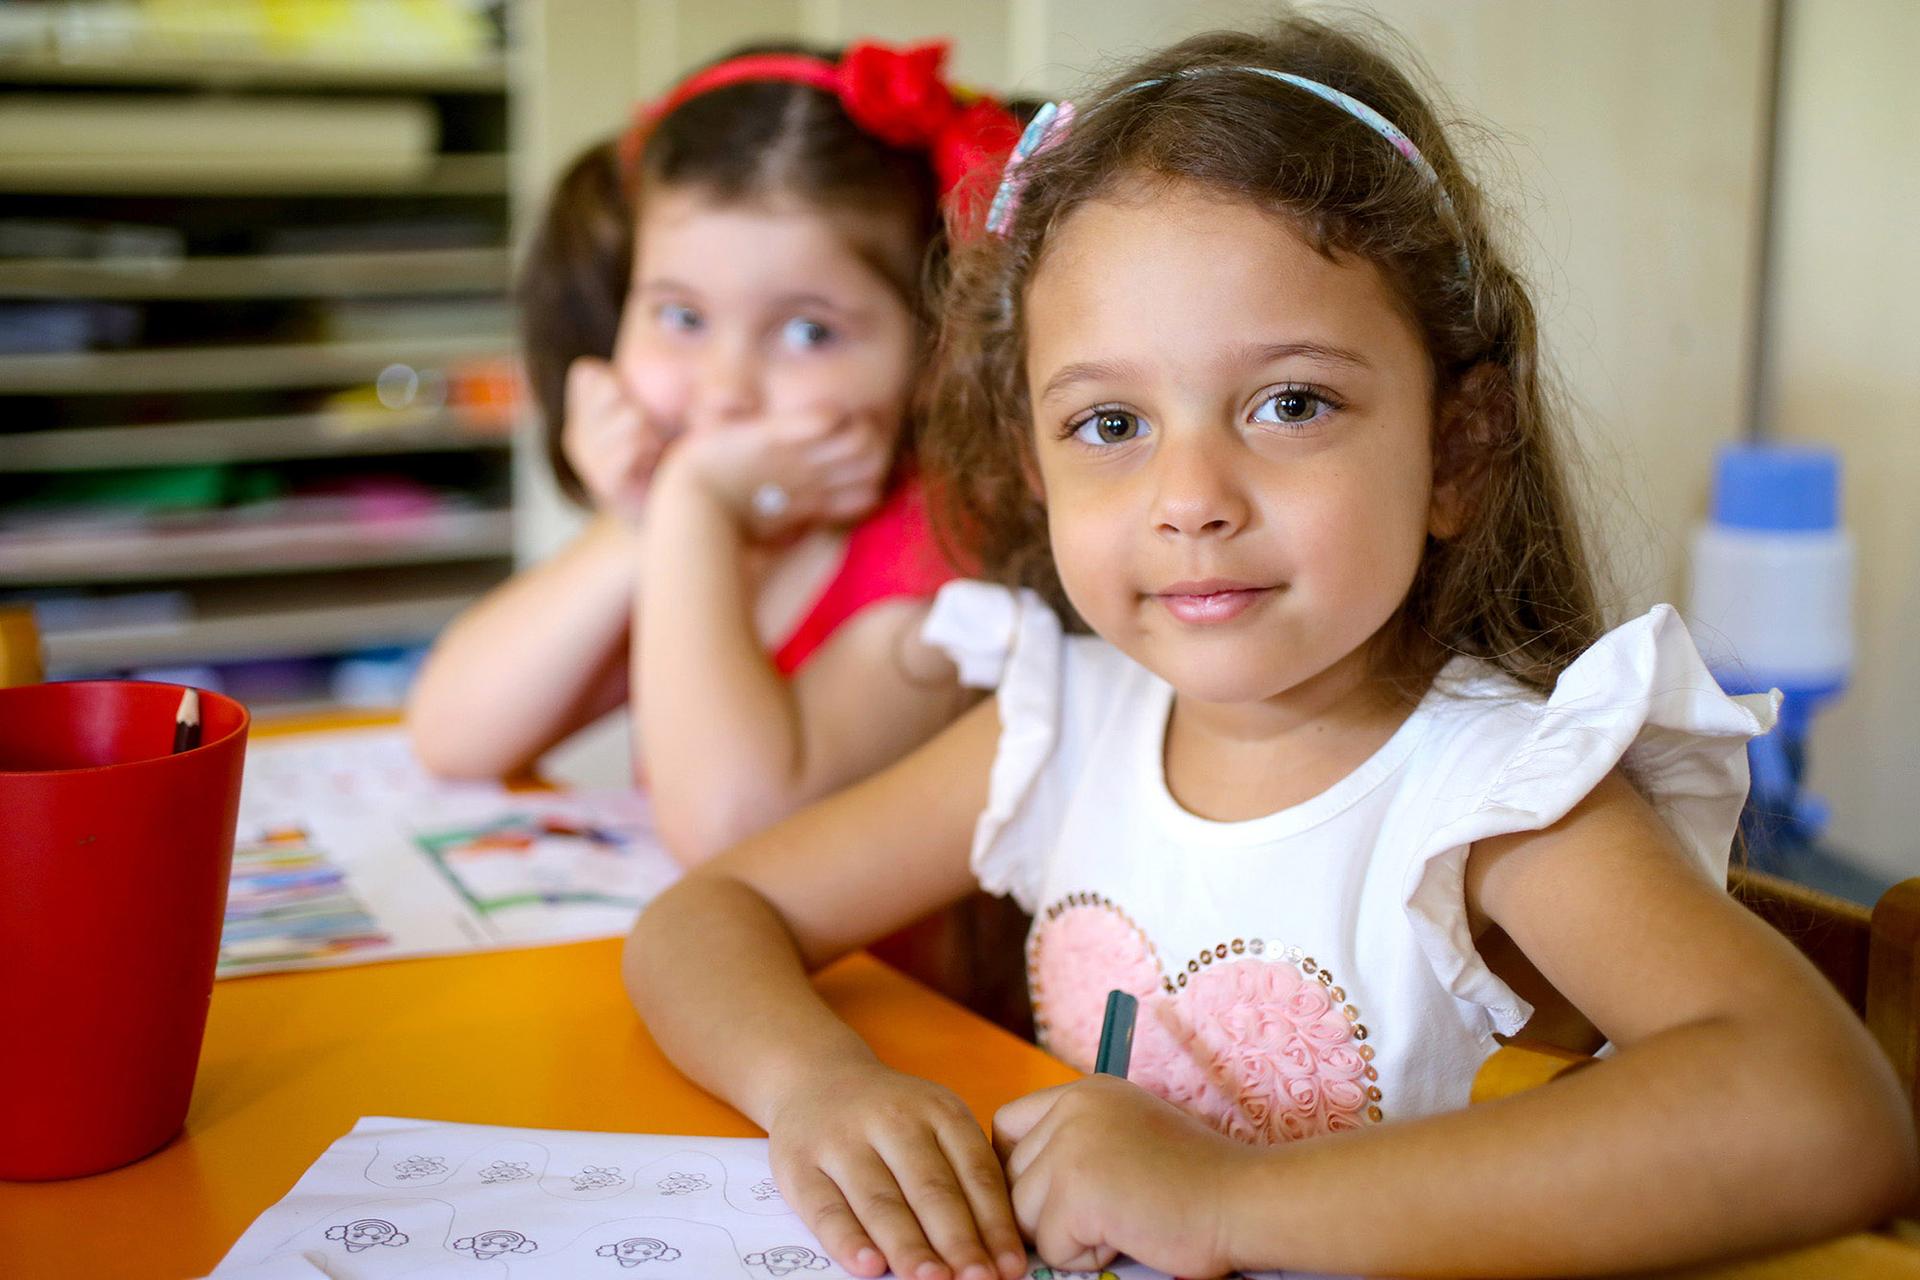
(1514, 585)
(739, 144)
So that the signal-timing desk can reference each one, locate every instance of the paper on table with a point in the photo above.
(417, 1198)
(348, 851)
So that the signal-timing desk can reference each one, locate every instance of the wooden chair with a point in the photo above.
(20, 654)
(1871, 956)
(972, 953)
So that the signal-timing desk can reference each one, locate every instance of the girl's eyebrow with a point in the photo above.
(1088, 371)
(1251, 355)
(785, 302)
(792, 301)
(1267, 353)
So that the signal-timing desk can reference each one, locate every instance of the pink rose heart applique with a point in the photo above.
(1249, 1036)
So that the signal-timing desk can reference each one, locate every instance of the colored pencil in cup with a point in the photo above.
(186, 722)
(1116, 1035)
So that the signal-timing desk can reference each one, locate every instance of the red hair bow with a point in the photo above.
(900, 96)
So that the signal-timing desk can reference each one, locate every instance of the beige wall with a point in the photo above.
(1845, 371)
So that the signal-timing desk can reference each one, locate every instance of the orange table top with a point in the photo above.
(542, 1038)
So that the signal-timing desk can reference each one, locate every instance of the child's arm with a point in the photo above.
(546, 653)
(542, 655)
(1745, 1109)
(883, 1167)
(730, 745)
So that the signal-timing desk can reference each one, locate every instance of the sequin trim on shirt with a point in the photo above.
(1252, 1035)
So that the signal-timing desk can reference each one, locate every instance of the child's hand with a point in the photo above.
(889, 1170)
(821, 466)
(607, 440)
(1100, 1167)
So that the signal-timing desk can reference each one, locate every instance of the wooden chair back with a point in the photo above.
(1870, 955)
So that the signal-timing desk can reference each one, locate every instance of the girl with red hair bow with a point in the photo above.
(724, 319)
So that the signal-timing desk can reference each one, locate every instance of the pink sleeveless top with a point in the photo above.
(890, 555)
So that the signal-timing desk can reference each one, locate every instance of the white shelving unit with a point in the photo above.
(347, 433)
(228, 548)
(227, 627)
(234, 366)
(267, 289)
(300, 275)
(229, 74)
(468, 175)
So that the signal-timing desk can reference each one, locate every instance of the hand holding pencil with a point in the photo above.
(1116, 1035)
(1101, 1167)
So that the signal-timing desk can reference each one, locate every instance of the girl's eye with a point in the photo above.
(801, 334)
(1109, 426)
(679, 317)
(1291, 407)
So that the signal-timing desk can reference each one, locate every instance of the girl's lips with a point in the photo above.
(1205, 603)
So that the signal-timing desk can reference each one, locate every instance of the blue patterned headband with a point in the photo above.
(1049, 126)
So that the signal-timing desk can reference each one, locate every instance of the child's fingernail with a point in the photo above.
(867, 1257)
(1013, 1264)
(930, 1271)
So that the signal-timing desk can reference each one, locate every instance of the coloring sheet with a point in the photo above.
(347, 851)
(425, 1200)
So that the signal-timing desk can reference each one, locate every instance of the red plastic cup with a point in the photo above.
(114, 858)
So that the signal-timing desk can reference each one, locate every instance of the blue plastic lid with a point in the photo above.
(1777, 488)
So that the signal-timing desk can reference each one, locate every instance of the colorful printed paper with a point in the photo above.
(348, 851)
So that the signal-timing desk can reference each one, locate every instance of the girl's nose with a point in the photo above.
(729, 382)
(1199, 485)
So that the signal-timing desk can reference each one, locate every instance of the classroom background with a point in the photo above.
(259, 423)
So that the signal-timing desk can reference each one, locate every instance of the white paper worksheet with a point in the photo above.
(422, 1199)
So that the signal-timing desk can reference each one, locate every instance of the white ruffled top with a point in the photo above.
(1310, 970)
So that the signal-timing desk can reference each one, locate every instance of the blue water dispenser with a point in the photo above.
(1772, 608)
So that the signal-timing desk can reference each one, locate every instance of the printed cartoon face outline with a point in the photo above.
(635, 1250)
(766, 1189)
(418, 1167)
(505, 1171)
(491, 1244)
(595, 1177)
(1054, 1273)
(683, 1184)
(783, 1259)
(365, 1233)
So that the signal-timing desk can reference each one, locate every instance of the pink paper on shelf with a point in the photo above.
(383, 497)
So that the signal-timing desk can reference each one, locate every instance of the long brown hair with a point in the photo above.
(1514, 585)
(743, 143)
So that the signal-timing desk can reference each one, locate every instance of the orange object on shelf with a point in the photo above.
(487, 393)
(22, 656)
